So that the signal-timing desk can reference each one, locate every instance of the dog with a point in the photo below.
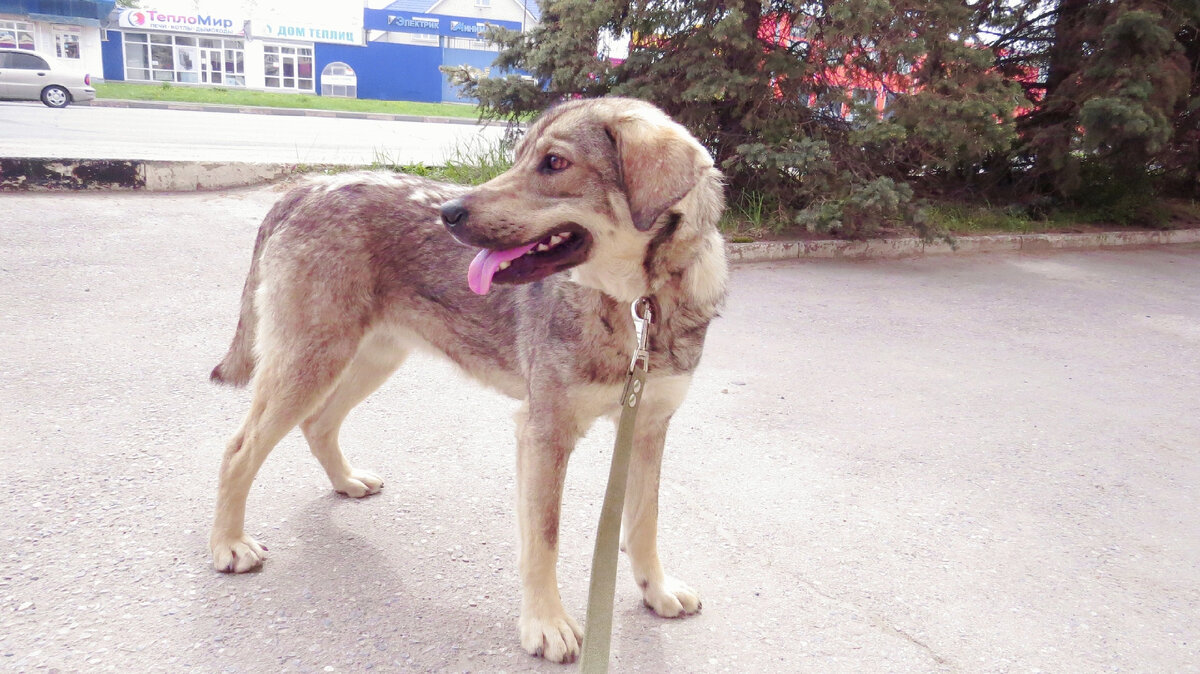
(607, 201)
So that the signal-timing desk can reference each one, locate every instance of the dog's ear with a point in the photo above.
(658, 160)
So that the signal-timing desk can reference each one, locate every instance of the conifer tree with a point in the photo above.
(777, 91)
(1114, 111)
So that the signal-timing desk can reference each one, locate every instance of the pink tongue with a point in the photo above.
(487, 262)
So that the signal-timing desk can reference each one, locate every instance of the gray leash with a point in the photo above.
(597, 636)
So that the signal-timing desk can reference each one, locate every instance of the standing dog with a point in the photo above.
(352, 273)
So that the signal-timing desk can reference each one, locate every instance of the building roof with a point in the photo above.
(533, 8)
(419, 6)
(51, 10)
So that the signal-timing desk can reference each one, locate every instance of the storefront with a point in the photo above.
(151, 46)
(218, 50)
(380, 54)
(286, 49)
(404, 51)
(67, 34)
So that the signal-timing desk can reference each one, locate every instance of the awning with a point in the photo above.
(79, 12)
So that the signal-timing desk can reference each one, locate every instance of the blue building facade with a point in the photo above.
(430, 41)
(394, 53)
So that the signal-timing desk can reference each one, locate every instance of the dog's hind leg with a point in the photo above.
(375, 361)
(290, 383)
(667, 596)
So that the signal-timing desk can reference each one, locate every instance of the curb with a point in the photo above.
(185, 176)
(37, 174)
(882, 249)
(260, 110)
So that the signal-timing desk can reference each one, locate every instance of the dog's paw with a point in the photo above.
(237, 555)
(671, 598)
(555, 637)
(359, 483)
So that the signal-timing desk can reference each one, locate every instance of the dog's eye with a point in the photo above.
(554, 163)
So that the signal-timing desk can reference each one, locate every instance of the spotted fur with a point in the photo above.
(351, 273)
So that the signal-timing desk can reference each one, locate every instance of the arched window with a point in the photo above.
(338, 79)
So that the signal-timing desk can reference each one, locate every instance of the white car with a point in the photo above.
(27, 76)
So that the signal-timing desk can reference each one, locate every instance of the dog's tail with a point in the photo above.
(237, 367)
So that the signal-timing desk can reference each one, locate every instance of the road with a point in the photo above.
(80, 132)
(958, 464)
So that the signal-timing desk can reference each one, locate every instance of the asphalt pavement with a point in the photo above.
(981, 463)
(190, 133)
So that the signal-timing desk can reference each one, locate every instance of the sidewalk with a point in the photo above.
(960, 464)
(263, 110)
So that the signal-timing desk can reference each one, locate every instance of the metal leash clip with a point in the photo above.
(641, 324)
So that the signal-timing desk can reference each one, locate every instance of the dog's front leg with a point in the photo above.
(667, 596)
(543, 446)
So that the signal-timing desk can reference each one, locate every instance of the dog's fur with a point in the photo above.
(351, 273)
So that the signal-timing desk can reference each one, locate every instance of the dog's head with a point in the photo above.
(588, 190)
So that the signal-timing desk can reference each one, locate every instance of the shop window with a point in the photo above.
(162, 61)
(16, 35)
(184, 59)
(470, 43)
(187, 68)
(340, 80)
(419, 39)
(288, 67)
(222, 62)
(66, 42)
(137, 58)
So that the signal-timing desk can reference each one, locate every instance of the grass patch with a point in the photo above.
(471, 161)
(984, 219)
(746, 220)
(1184, 212)
(223, 96)
(749, 217)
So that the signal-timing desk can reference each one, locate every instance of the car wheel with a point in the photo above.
(55, 96)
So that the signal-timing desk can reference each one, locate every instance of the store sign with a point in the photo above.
(451, 26)
(413, 24)
(149, 19)
(475, 28)
(291, 31)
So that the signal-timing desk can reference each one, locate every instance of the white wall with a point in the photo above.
(90, 60)
(341, 14)
(255, 78)
(500, 10)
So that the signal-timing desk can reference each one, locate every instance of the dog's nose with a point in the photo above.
(454, 213)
